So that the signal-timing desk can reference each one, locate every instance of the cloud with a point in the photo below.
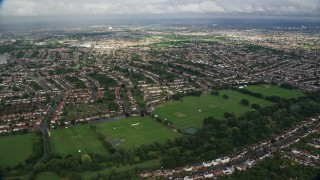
(203, 7)
(103, 7)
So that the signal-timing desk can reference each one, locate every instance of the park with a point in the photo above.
(190, 111)
(120, 133)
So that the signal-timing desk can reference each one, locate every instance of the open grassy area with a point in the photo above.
(269, 90)
(186, 114)
(15, 149)
(48, 176)
(121, 133)
(144, 165)
(125, 134)
(66, 141)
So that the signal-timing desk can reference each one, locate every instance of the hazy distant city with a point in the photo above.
(150, 93)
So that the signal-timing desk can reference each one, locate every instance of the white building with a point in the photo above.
(228, 170)
(208, 175)
(188, 168)
(188, 178)
(216, 162)
(207, 164)
(225, 160)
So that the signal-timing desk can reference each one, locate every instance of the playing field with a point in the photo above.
(186, 114)
(121, 133)
(269, 90)
(69, 141)
(135, 131)
(15, 148)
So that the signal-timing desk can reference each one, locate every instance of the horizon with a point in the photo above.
(252, 8)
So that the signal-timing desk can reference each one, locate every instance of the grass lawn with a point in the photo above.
(145, 165)
(15, 148)
(186, 114)
(66, 141)
(269, 90)
(146, 131)
(48, 176)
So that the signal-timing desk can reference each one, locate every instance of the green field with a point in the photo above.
(269, 90)
(15, 149)
(148, 131)
(144, 165)
(186, 114)
(48, 176)
(68, 141)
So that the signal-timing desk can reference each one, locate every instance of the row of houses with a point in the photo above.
(189, 169)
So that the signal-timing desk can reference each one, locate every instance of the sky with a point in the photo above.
(296, 8)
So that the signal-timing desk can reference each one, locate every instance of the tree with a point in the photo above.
(256, 106)
(244, 102)
(280, 114)
(227, 115)
(40, 167)
(251, 115)
(287, 86)
(86, 159)
(210, 120)
(225, 96)
(215, 93)
(194, 93)
(275, 99)
(177, 96)
(169, 162)
(185, 143)
(211, 154)
(295, 109)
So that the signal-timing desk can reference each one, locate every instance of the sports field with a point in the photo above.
(123, 133)
(69, 141)
(269, 90)
(192, 110)
(135, 131)
(14, 149)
